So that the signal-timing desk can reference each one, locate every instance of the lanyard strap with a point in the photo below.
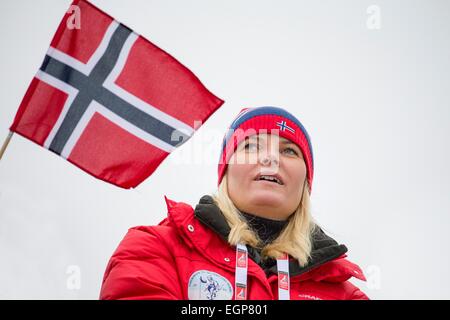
(240, 285)
(283, 277)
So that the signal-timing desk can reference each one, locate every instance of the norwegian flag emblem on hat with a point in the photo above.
(283, 126)
(111, 102)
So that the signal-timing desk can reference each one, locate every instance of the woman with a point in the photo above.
(254, 239)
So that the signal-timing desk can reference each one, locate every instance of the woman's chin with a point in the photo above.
(266, 197)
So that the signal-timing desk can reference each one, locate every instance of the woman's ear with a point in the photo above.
(302, 190)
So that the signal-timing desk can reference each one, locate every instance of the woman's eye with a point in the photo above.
(251, 146)
(291, 151)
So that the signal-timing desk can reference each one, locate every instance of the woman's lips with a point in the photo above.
(269, 176)
(268, 183)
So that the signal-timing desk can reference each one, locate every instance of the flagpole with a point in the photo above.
(5, 144)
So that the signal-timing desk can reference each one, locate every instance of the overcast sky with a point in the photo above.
(369, 80)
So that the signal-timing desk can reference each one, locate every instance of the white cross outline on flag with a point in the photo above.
(96, 107)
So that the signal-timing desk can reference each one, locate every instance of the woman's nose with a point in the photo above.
(269, 159)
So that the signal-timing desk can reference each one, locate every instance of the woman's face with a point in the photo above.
(260, 158)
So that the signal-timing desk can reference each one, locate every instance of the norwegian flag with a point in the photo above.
(109, 101)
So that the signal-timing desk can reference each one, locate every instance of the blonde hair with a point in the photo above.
(295, 239)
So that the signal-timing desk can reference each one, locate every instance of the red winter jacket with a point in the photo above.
(187, 254)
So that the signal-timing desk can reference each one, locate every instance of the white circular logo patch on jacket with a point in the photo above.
(208, 285)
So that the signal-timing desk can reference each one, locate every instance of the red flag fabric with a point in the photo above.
(109, 101)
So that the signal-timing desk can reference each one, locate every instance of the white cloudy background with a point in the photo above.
(375, 101)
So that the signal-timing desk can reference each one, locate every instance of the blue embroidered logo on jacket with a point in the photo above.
(208, 285)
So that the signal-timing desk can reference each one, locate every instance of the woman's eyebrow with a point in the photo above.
(254, 138)
(287, 142)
